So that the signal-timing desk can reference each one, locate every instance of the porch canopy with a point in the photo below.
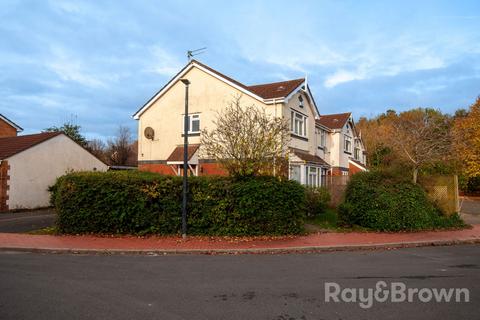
(175, 160)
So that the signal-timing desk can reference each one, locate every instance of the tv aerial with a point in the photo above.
(196, 52)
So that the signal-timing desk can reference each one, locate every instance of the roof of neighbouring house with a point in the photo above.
(276, 89)
(11, 123)
(310, 158)
(334, 121)
(358, 163)
(10, 146)
(177, 154)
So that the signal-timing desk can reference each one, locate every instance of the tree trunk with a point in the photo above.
(415, 174)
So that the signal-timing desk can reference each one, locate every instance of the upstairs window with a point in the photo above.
(298, 123)
(356, 151)
(193, 123)
(323, 138)
(347, 146)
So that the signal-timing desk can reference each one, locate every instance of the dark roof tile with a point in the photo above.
(177, 154)
(334, 121)
(12, 145)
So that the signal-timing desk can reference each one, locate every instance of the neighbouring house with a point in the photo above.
(320, 145)
(29, 164)
(8, 128)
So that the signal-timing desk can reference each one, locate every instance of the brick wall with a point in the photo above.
(337, 171)
(7, 130)
(4, 177)
(354, 169)
(204, 169)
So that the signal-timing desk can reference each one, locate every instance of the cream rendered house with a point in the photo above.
(160, 122)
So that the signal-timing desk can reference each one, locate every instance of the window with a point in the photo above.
(298, 123)
(323, 138)
(356, 151)
(347, 147)
(193, 123)
(295, 173)
(315, 176)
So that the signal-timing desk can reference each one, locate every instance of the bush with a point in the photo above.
(381, 201)
(317, 200)
(146, 203)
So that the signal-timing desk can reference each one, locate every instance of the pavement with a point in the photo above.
(470, 209)
(175, 244)
(273, 287)
(26, 221)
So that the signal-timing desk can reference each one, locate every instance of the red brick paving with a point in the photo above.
(319, 240)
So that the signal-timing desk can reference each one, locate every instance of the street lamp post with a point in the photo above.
(185, 161)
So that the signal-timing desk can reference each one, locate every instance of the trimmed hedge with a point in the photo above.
(381, 201)
(146, 203)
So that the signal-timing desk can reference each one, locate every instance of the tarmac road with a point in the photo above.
(288, 286)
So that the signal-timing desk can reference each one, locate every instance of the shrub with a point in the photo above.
(381, 201)
(146, 203)
(317, 200)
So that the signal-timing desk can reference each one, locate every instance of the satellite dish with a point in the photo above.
(149, 133)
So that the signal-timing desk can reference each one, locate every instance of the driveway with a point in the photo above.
(280, 287)
(470, 209)
(26, 221)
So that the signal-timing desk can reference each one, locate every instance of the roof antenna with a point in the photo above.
(192, 53)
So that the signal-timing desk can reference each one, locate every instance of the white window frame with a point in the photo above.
(323, 138)
(298, 123)
(345, 139)
(314, 176)
(356, 150)
(191, 118)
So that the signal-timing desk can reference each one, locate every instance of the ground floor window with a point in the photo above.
(315, 176)
(308, 175)
(295, 173)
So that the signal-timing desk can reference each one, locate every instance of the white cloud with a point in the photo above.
(163, 62)
(342, 76)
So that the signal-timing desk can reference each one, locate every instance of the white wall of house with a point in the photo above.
(207, 96)
(32, 171)
(308, 142)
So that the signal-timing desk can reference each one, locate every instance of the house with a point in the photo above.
(8, 128)
(316, 146)
(29, 164)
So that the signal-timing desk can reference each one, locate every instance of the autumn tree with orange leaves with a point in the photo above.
(466, 133)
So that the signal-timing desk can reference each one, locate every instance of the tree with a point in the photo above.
(466, 133)
(71, 130)
(98, 148)
(421, 137)
(120, 148)
(247, 141)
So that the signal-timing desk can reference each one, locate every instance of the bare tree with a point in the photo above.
(247, 141)
(120, 147)
(97, 147)
(421, 136)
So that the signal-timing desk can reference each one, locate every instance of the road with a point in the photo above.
(26, 221)
(289, 286)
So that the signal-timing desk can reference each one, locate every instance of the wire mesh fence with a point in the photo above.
(443, 191)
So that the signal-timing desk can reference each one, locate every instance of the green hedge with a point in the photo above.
(318, 199)
(381, 201)
(146, 203)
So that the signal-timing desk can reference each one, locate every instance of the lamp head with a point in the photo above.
(185, 81)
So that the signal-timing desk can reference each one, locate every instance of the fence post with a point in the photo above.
(455, 186)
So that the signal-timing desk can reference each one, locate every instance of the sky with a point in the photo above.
(94, 63)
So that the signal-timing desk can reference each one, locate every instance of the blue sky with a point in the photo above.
(96, 62)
